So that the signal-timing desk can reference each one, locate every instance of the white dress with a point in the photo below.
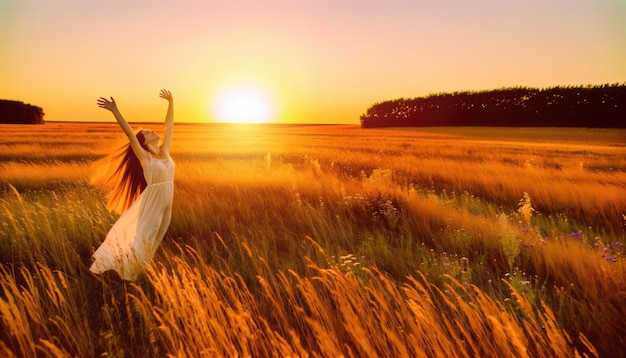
(136, 235)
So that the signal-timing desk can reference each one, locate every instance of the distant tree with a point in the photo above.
(16, 112)
(588, 106)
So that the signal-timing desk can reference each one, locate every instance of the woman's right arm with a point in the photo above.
(169, 120)
(134, 142)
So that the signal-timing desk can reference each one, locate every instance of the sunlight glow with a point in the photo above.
(244, 104)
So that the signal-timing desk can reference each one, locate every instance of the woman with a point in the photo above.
(139, 178)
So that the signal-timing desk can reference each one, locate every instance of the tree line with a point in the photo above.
(598, 106)
(16, 112)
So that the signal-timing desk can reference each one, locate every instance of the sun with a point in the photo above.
(244, 104)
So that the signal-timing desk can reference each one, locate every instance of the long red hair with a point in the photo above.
(120, 175)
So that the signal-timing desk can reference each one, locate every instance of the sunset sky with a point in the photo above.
(318, 61)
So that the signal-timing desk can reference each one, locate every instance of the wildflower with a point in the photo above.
(576, 234)
(525, 208)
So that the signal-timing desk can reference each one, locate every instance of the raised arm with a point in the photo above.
(134, 142)
(169, 120)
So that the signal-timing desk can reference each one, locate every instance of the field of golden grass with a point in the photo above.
(325, 241)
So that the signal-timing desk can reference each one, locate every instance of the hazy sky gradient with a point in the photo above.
(324, 61)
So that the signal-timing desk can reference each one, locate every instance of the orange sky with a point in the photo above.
(323, 61)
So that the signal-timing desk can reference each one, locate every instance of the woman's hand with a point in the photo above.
(166, 95)
(106, 104)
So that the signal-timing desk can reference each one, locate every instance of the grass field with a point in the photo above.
(325, 241)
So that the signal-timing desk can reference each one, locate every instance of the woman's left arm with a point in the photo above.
(169, 120)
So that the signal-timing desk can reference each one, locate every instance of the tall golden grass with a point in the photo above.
(325, 241)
